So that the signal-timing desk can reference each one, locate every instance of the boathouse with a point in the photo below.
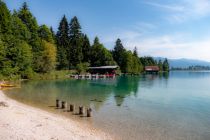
(152, 69)
(105, 70)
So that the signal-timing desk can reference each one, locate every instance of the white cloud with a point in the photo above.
(184, 10)
(170, 46)
(139, 30)
(175, 8)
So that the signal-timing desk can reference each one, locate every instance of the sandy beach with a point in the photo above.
(21, 122)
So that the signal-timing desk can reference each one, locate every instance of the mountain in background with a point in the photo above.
(184, 63)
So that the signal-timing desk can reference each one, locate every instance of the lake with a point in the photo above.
(174, 106)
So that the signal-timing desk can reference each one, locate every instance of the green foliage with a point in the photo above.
(86, 49)
(5, 20)
(129, 62)
(119, 53)
(75, 37)
(63, 45)
(100, 56)
(82, 67)
(160, 65)
(148, 61)
(45, 34)
(132, 64)
(19, 30)
(135, 52)
(165, 65)
(30, 21)
(62, 74)
(48, 57)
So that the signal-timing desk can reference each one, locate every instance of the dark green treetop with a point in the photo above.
(63, 44)
(119, 53)
(86, 49)
(75, 37)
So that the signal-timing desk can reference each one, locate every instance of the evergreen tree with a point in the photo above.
(165, 65)
(30, 21)
(137, 66)
(160, 65)
(148, 61)
(19, 29)
(119, 54)
(53, 34)
(100, 56)
(75, 37)
(135, 52)
(128, 62)
(5, 20)
(63, 45)
(86, 49)
(45, 34)
(2, 56)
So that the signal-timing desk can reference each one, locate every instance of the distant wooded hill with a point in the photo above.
(184, 63)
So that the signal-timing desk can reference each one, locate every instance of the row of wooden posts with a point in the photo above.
(63, 105)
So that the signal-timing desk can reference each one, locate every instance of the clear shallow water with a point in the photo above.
(161, 107)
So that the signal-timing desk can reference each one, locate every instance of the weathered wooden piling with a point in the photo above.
(64, 104)
(57, 103)
(71, 108)
(89, 112)
(81, 110)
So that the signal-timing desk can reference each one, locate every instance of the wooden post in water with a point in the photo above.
(66, 105)
(71, 108)
(63, 105)
(81, 110)
(89, 112)
(57, 103)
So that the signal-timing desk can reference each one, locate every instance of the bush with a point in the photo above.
(82, 68)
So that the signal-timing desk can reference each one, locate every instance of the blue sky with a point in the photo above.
(172, 28)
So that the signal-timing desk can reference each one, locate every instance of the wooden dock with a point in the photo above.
(93, 76)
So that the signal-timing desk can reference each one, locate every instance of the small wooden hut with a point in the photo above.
(152, 69)
(103, 70)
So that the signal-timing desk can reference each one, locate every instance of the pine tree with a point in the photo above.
(160, 65)
(75, 37)
(100, 56)
(53, 33)
(86, 49)
(165, 65)
(63, 45)
(135, 52)
(30, 21)
(5, 20)
(45, 34)
(19, 29)
(119, 54)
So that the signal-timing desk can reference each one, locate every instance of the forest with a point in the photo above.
(28, 49)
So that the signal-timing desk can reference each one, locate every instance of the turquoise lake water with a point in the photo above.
(174, 106)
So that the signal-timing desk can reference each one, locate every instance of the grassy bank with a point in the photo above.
(63, 74)
(52, 75)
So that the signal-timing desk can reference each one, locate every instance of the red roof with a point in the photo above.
(152, 68)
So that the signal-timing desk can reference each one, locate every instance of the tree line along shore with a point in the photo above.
(32, 51)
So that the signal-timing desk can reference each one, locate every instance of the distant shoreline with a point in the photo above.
(19, 121)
